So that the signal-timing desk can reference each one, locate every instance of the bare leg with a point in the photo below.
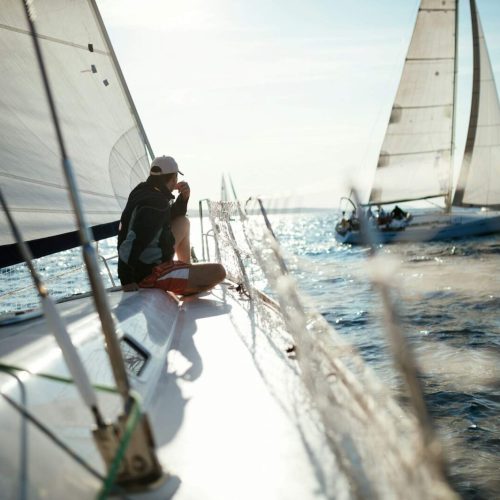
(180, 230)
(203, 277)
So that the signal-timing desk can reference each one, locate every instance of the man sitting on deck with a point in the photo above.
(154, 227)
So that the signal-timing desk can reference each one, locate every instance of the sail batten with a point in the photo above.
(104, 139)
(410, 59)
(428, 106)
(52, 39)
(415, 158)
(403, 200)
(409, 153)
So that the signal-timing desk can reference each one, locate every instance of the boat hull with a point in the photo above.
(432, 227)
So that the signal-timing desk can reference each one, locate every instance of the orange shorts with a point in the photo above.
(169, 276)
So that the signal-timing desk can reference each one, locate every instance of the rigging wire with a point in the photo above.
(109, 484)
(56, 324)
(89, 254)
(151, 469)
(45, 430)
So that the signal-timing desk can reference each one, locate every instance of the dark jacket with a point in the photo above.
(145, 238)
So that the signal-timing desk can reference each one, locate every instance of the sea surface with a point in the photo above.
(447, 295)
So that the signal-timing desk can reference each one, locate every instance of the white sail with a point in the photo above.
(478, 183)
(223, 189)
(103, 137)
(415, 158)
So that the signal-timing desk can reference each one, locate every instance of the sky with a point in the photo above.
(290, 98)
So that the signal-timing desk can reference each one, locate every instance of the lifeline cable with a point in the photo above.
(359, 415)
(132, 420)
(56, 324)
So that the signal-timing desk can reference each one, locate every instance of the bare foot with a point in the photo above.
(130, 287)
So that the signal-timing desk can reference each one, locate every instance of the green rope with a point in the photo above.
(132, 420)
(54, 378)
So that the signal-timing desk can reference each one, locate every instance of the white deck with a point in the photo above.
(222, 427)
(230, 417)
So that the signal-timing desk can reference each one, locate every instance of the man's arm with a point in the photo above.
(179, 207)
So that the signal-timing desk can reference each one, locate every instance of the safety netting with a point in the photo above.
(380, 449)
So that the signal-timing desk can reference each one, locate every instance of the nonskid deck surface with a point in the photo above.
(229, 413)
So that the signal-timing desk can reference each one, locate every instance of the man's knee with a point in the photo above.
(215, 273)
(220, 273)
(206, 275)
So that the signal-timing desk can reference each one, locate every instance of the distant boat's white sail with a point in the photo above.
(478, 183)
(103, 137)
(415, 158)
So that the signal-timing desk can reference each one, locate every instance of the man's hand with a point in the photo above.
(184, 190)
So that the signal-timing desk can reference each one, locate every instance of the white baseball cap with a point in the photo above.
(162, 165)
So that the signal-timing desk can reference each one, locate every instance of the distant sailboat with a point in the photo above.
(416, 158)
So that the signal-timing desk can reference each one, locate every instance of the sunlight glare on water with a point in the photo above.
(448, 300)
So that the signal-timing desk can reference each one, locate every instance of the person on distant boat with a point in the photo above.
(398, 214)
(382, 216)
(353, 220)
(153, 228)
(344, 223)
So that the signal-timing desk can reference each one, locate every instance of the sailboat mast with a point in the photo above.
(448, 199)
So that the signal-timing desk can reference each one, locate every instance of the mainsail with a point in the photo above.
(478, 183)
(415, 158)
(91, 97)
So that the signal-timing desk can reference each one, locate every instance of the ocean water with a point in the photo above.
(447, 295)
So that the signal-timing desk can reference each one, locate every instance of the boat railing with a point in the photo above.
(205, 235)
(105, 260)
(345, 203)
(18, 294)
